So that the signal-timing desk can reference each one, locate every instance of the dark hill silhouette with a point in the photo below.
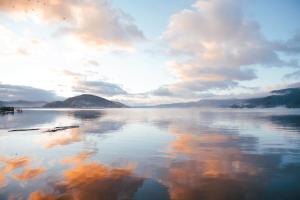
(85, 101)
(289, 98)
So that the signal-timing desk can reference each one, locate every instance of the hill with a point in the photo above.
(289, 98)
(85, 101)
(214, 103)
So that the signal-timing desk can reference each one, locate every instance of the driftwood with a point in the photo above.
(26, 129)
(55, 129)
(61, 128)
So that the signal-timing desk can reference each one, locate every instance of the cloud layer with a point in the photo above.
(15, 92)
(99, 87)
(96, 87)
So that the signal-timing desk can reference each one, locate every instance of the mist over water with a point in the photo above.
(178, 154)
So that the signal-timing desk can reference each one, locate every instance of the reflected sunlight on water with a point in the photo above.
(180, 154)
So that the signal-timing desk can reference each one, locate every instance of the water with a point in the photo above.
(151, 154)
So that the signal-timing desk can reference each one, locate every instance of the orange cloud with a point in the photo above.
(2, 180)
(38, 195)
(14, 163)
(191, 144)
(65, 139)
(214, 162)
(216, 154)
(94, 181)
(29, 174)
(82, 156)
(184, 182)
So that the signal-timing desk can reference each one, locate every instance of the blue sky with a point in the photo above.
(278, 19)
(148, 52)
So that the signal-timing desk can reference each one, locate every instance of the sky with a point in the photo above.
(143, 52)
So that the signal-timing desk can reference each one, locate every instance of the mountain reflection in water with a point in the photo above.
(145, 154)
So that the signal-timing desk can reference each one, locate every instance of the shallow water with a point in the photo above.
(151, 154)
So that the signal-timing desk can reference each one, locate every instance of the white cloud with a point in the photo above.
(215, 46)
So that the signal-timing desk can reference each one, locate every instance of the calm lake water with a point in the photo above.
(151, 154)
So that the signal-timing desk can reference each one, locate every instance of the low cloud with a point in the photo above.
(292, 45)
(162, 91)
(93, 22)
(17, 92)
(98, 88)
(295, 75)
(181, 91)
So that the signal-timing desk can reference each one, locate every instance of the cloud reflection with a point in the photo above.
(81, 157)
(93, 181)
(28, 174)
(201, 155)
(86, 115)
(11, 164)
(3, 182)
(65, 139)
(14, 163)
(213, 162)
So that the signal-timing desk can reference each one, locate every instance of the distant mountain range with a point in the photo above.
(220, 103)
(85, 101)
(289, 98)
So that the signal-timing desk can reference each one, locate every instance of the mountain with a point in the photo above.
(23, 104)
(289, 98)
(219, 103)
(85, 101)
